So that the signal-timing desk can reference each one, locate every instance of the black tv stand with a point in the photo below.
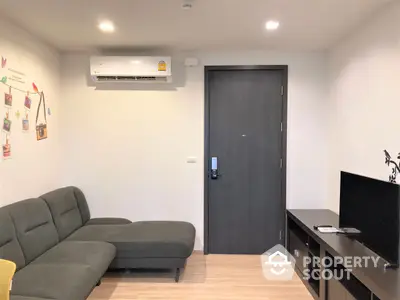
(360, 283)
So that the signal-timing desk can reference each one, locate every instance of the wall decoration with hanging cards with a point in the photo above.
(20, 96)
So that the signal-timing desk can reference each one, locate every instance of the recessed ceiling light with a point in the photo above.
(107, 26)
(187, 4)
(272, 25)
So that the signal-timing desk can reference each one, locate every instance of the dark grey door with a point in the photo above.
(245, 201)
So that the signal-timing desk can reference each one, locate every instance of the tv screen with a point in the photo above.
(372, 206)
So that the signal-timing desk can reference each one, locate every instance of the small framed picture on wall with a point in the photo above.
(8, 100)
(7, 125)
(27, 103)
(25, 125)
(6, 149)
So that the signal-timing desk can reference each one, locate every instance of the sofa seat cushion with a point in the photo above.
(143, 239)
(100, 233)
(96, 255)
(108, 221)
(55, 281)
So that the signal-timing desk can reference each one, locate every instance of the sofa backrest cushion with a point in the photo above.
(10, 248)
(83, 205)
(36, 231)
(65, 210)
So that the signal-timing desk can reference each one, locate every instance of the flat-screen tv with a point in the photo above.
(372, 206)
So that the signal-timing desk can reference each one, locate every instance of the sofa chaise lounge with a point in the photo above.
(62, 254)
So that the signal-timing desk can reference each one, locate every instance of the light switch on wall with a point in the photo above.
(191, 160)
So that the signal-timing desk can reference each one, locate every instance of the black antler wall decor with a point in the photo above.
(395, 167)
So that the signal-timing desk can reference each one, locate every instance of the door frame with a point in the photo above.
(207, 70)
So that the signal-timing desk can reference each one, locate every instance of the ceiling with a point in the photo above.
(210, 24)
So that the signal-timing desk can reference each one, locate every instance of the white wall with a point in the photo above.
(34, 167)
(127, 148)
(365, 100)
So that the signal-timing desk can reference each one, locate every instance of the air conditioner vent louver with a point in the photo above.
(126, 78)
(132, 69)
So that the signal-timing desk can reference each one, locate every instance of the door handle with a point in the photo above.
(214, 168)
(214, 175)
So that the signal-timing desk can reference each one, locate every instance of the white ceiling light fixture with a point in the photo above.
(107, 26)
(272, 25)
(187, 4)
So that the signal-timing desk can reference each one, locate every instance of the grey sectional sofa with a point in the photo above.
(62, 254)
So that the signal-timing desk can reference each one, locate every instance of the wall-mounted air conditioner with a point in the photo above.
(156, 69)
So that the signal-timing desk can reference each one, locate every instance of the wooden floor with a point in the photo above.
(211, 277)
